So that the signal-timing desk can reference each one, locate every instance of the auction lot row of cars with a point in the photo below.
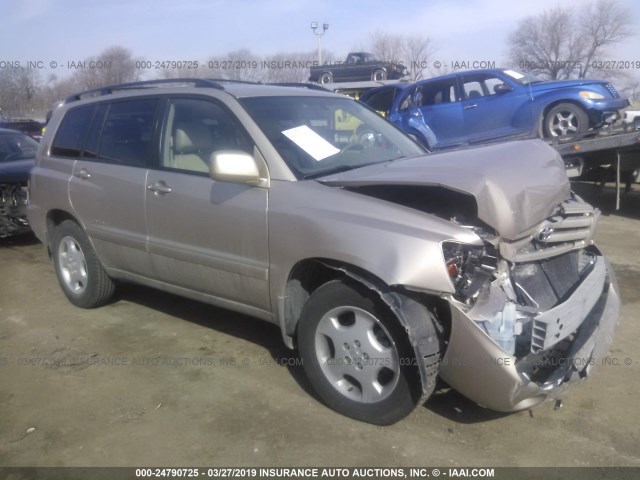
(386, 267)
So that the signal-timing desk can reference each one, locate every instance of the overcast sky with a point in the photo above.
(198, 29)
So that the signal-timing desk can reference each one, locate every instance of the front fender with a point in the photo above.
(396, 244)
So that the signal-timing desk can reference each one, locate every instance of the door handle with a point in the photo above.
(83, 173)
(159, 188)
(469, 107)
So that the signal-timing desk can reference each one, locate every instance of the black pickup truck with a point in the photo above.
(358, 66)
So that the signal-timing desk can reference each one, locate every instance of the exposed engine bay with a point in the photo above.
(515, 290)
(13, 215)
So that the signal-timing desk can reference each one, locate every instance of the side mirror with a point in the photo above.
(502, 88)
(234, 166)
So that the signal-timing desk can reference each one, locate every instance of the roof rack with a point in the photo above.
(196, 82)
(230, 80)
(310, 86)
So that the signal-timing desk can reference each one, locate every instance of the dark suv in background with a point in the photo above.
(384, 267)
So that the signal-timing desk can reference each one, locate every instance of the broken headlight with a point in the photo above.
(469, 267)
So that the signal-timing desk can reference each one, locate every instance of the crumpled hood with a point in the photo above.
(516, 185)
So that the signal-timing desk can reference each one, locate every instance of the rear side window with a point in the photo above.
(127, 132)
(93, 137)
(70, 135)
(381, 101)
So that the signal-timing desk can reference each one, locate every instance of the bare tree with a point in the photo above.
(417, 52)
(413, 51)
(564, 43)
(114, 65)
(602, 24)
(19, 89)
(543, 44)
(386, 47)
(202, 71)
(631, 90)
(240, 65)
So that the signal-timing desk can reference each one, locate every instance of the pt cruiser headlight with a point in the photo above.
(591, 95)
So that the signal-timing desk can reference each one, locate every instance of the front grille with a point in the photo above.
(612, 90)
(571, 227)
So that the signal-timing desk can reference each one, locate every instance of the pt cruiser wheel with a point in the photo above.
(356, 355)
(79, 272)
(565, 119)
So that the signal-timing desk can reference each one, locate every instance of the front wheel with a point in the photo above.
(565, 119)
(356, 355)
(79, 271)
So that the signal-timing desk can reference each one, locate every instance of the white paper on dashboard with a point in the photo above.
(311, 142)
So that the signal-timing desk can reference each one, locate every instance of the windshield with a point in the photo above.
(317, 136)
(522, 78)
(16, 146)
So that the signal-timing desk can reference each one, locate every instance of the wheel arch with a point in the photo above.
(545, 110)
(425, 318)
(53, 219)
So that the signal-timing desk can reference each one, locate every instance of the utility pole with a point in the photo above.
(319, 33)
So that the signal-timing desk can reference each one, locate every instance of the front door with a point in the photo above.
(491, 113)
(204, 235)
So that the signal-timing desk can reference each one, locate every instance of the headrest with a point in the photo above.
(192, 137)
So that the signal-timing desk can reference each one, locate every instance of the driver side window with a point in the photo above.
(194, 129)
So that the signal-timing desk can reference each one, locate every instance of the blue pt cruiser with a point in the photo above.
(479, 105)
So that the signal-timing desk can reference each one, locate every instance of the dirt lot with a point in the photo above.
(153, 379)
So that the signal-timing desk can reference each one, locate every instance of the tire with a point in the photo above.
(79, 271)
(378, 75)
(367, 138)
(356, 355)
(325, 78)
(564, 119)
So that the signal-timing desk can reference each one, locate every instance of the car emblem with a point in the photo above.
(544, 234)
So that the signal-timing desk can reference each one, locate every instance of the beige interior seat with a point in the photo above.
(192, 147)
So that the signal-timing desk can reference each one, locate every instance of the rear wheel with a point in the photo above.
(565, 119)
(325, 78)
(356, 355)
(79, 271)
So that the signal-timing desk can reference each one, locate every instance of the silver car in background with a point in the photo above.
(385, 267)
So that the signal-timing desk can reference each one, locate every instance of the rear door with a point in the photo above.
(107, 186)
(206, 236)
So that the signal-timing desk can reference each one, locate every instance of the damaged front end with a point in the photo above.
(13, 209)
(529, 315)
